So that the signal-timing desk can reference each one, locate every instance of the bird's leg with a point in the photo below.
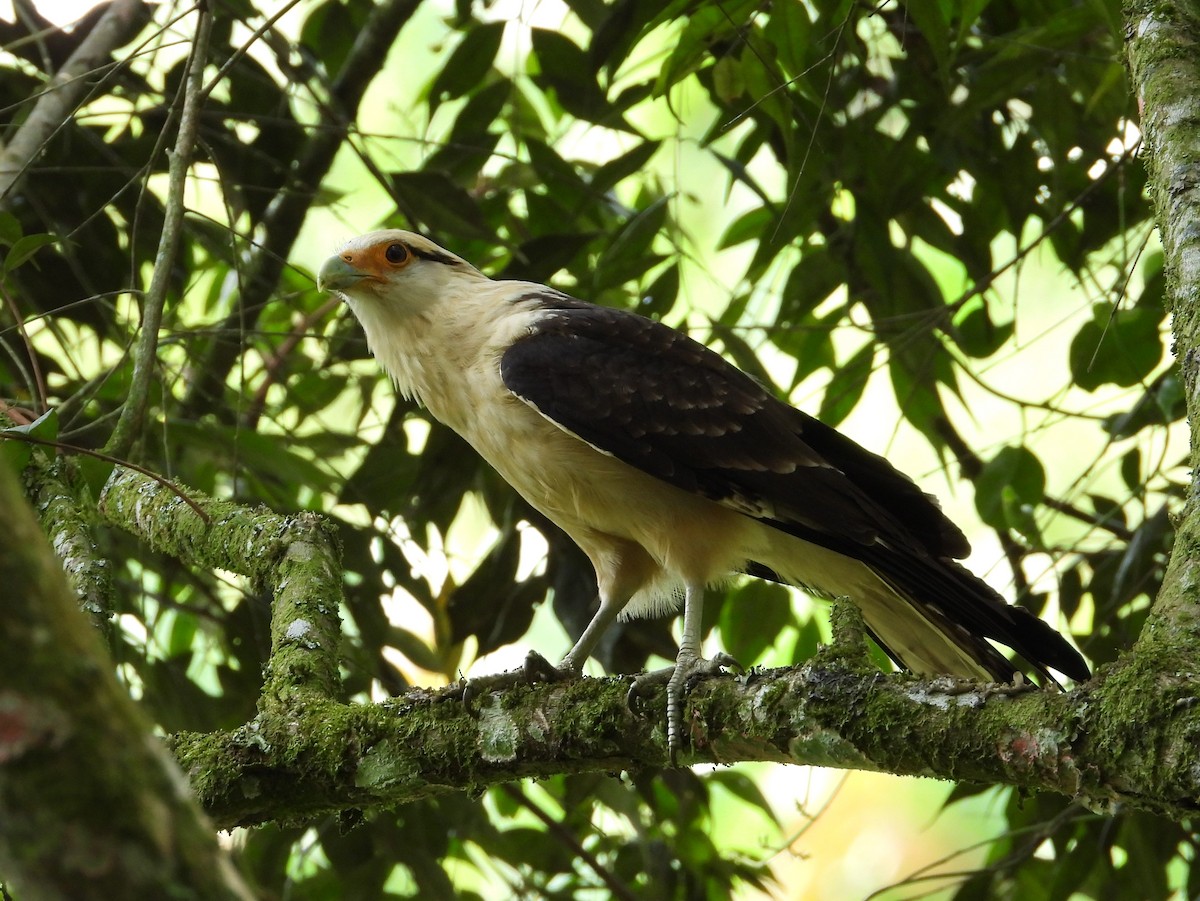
(537, 668)
(689, 666)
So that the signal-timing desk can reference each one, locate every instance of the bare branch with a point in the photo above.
(145, 353)
(65, 91)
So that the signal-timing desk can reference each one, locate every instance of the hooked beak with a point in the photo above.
(337, 275)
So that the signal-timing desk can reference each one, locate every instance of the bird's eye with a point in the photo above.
(396, 253)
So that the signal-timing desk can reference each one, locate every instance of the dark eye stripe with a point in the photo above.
(434, 257)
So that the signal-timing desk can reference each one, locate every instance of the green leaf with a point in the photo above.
(1120, 348)
(750, 226)
(754, 616)
(628, 256)
(808, 641)
(331, 29)
(816, 276)
(1012, 478)
(843, 393)
(565, 68)
(976, 334)
(10, 228)
(24, 248)
(471, 144)
(657, 300)
(727, 78)
(17, 452)
(182, 634)
(471, 60)
(45, 427)
(744, 788)
(623, 166)
(1131, 470)
(916, 370)
(538, 259)
(809, 343)
(1019, 516)
(708, 25)
(271, 461)
(555, 173)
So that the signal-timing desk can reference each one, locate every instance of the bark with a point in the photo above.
(90, 805)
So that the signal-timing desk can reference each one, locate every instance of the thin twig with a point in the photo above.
(145, 357)
(13, 435)
(618, 888)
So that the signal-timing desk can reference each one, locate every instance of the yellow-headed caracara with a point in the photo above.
(671, 468)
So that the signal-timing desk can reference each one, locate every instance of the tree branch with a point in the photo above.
(823, 713)
(1163, 45)
(58, 102)
(145, 353)
(306, 753)
(296, 558)
(90, 807)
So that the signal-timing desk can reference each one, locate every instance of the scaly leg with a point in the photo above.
(536, 667)
(689, 666)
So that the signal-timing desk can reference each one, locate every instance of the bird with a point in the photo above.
(673, 470)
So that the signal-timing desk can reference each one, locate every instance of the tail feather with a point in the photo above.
(932, 615)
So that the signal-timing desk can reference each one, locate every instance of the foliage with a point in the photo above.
(939, 198)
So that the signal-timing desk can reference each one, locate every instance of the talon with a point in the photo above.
(679, 680)
(538, 669)
(535, 668)
(641, 685)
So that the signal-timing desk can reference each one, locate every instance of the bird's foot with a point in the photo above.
(536, 668)
(679, 679)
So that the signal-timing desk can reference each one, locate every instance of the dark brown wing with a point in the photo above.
(659, 401)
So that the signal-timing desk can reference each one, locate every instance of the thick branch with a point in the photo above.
(90, 806)
(823, 713)
(1127, 737)
(1164, 56)
(296, 558)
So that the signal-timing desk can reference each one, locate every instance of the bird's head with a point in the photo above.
(399, 269)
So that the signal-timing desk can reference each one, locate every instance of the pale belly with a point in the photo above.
(601, 502)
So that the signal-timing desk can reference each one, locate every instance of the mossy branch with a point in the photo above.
(90, 806)
(295, 558)
(1163, 45)
(334, 756)
(306, 753)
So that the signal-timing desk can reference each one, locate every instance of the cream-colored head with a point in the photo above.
(398, 268)
(426, 313)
